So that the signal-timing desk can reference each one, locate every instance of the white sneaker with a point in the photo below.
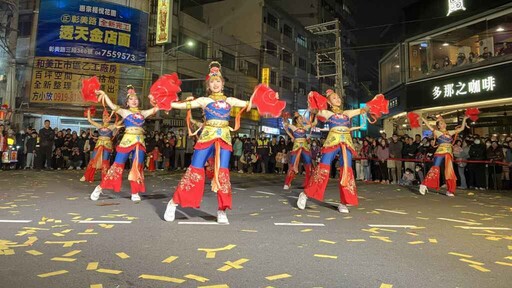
(95, 195)
(222, 218)
(70, 168)
(450, 194)
(136, 197)
(241, 171)
(423, 189)
(82, 179)
(286, 187)
(170, 211)
(78, 168)
(342, 208)
(301, 202)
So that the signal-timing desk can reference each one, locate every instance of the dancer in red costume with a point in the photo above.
(215, 139)
(131, 143)
(102, 149)
(444, 153)
(338, 140)
(300, 149)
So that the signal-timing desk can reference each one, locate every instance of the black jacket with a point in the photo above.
(46, 137)
(477, 152)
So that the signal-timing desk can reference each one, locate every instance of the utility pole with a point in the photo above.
(329, 56)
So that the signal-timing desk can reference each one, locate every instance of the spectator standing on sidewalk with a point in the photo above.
(495, 154)
(477, 152)
(395, 151)
(383, 156)
(30, 150)
(46, 140)
(181, 146)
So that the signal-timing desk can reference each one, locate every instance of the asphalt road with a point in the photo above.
(395, 238)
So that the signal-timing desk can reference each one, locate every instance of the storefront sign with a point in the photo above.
(164, 22)
(459, 88)
(58, 80)
(86, 29)
(480, 85)
(455, 5)
(270, 130)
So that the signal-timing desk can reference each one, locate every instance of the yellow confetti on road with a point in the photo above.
(66, 243)
(382, 238)
(386, 285)
(460, 255)
(503, 263)
(59, 234)
(210, 252)
(122, 255)
(356, 240)
(480, 268)
(236, 264)
(330, 218)
(96, 286)
(254, 214)
(106, 226)
(92, 266)
(432, 240)
(197, 278)
(326, 241)
(416, 242)
(50, 274)
(109, 271)
(7, 252)
(161, 278)
(277, 277)
(72, 253)
(306, 230)
(471, 262)
(34, 252)
(326, 256)
(215, 286)
(250, 231)
(61, 259)
(170, 259)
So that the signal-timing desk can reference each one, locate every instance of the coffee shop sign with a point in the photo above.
(464, 88)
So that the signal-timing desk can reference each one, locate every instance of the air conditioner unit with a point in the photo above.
(218, 54)
(244, 66)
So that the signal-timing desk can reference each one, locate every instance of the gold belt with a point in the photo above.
(134, 131)
(104, 138)
(341, 130)
(299, 140)
(217, 123)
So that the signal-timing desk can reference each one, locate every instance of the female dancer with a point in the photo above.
(443, 153)
(300, 148)
(132, 143)
(102, 149)
(215, 139)
(338, 141)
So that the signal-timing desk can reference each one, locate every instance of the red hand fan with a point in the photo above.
(378, 106)
(267, 101)
(472, 113)
(89, 87)
(414, 120)
(165, 91)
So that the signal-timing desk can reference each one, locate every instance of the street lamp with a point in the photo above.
(169, 52)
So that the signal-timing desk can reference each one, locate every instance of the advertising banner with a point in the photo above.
(164, 22)
(99, 30)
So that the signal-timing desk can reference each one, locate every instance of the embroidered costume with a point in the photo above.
(301, 149)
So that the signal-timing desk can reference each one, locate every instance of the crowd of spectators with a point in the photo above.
(395, 160)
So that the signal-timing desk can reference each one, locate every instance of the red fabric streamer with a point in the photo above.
(89, 87)
(267, 101)
(414, 120)
(472, 113)
(165, 91)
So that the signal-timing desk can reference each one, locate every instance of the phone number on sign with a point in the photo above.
(116, 55)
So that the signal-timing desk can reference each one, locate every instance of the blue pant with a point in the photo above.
(305, 156)
(200, 157)
(327, 158)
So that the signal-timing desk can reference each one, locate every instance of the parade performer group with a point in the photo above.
(213, 146)
(444, 153)
(300, 149)
(132, 144)
(338, 141)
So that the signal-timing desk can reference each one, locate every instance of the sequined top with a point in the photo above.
(217, 115)
(339, 120)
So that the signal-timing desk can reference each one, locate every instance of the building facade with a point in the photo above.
(454, 67)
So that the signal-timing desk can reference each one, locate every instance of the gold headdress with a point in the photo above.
(215, 68)
(131, 92)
